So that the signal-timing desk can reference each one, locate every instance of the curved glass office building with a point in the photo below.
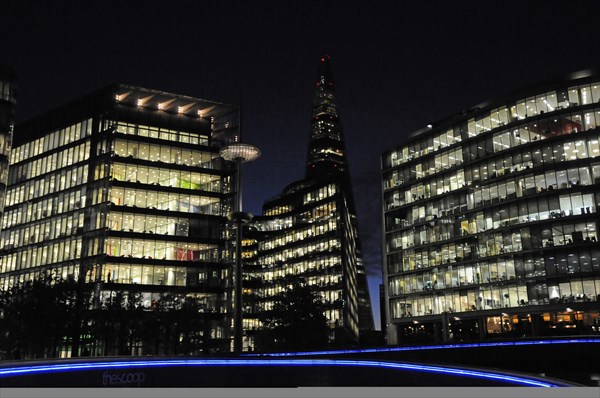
(491, 219)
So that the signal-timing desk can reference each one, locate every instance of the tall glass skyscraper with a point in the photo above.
(124, 190)
(490, 219)
(309, 233)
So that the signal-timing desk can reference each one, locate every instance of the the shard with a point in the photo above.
(309, 233)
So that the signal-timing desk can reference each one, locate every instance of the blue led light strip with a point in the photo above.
(427, 347)
(83, 366)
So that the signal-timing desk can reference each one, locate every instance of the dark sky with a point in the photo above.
(398, 65)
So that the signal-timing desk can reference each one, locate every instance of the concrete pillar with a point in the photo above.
(535, 325)
(482, 327)
(392, 334)
(445, 330)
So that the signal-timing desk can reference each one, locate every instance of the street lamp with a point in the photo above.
(238, 153)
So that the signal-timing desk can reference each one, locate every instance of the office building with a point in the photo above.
(309, 233)
(125, 191)
(490, 219)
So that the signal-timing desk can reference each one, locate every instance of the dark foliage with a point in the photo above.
(49, 317)
(37, 317)
(296, 322)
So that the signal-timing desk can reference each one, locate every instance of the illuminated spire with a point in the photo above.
(326, 150)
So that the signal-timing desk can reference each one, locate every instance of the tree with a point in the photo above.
(117, 324)
(36, 317)
(296, 322)
(40, 318)
(174, 325)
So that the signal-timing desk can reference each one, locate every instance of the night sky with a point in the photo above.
(398, 65)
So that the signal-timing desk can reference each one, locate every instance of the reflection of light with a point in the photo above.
(433, 347)
(93, 366)
(548, 105)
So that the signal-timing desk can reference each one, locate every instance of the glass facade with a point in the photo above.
(306, 245)
(125, 190)
(492, 215)
(326, 148)
(306, 235)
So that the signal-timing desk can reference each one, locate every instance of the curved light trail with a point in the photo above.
(428, 347)
(16, 371)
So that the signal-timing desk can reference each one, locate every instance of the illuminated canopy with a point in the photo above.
(239, 152)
